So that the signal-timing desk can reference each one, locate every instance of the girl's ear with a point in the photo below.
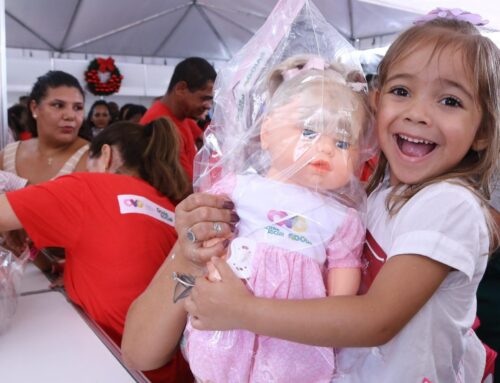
(373, 98)
(480, 143)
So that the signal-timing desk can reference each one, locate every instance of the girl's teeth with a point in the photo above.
(415, 140)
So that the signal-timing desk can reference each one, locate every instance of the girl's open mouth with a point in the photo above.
(414, 147)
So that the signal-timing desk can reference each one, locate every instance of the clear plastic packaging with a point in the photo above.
(11, 270)
(290, 132)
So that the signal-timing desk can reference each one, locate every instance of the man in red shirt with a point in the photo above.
(189, 96)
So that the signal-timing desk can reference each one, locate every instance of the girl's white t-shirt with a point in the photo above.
(445, 222)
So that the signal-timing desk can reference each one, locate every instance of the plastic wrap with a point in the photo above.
(11, 269)
(290, 131)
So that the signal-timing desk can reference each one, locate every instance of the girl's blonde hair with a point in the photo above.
(481, 58)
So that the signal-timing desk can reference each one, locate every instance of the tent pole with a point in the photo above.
(125, 27)
(29, 29)
(70, 26)
(172, 31)
(4, 129)
(351, 22)
(215, 31)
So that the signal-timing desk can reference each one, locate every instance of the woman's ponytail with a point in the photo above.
(152, 151)
(160, 164)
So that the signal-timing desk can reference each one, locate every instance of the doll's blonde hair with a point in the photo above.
(317, 89)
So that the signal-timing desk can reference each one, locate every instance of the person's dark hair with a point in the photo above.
(17, 117)
(195, 71)
(53, 79)
(97, 103)
(152, 150)
(123, 111)
(114, 109)
(133, 110)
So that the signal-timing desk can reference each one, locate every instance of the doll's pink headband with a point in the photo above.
(315, 62)
(455, 13)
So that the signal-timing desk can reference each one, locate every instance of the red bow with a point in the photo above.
(106, 65)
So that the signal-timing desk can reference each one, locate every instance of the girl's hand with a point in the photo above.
(218, 305)
(200, 218)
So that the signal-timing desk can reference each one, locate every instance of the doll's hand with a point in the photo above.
(200, 218)
(218, 305)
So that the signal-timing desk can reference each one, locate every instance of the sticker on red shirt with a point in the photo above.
(373, 259)
(137, 204)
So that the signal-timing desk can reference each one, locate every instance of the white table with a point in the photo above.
(49, 341)
(33, 280)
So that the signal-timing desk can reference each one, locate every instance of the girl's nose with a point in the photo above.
(418, 111)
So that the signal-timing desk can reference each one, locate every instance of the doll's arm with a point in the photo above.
(343, 281)
(344, 256)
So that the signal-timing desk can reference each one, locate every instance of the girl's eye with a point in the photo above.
(451, 101)
(78, 107)
(309, 134)
(399, 91)
(57, 105)
(342, 144)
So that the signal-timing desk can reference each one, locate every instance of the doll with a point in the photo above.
(301, 228)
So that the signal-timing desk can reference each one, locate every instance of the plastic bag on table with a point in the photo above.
(290, 131)
(11, 270)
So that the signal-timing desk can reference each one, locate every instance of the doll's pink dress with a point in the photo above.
(288, 238)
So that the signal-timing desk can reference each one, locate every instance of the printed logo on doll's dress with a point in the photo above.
(240, 260)
(294, 224)
(373, 259)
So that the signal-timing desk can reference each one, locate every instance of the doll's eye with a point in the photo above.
(309, 134)
(342, 144)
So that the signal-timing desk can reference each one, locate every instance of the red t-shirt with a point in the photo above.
(186, 128)
(117, 231)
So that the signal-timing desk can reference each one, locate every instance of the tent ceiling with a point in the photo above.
(215, 29)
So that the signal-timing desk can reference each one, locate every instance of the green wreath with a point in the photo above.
(108, 71)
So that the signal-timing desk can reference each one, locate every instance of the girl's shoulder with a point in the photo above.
(447, 193)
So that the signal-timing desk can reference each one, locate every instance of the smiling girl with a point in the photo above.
(429, 233)
(428, 239)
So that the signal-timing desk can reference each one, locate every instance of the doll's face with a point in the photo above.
(317, 152)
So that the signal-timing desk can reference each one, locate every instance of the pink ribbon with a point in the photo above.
(454, 13)
(315, 62)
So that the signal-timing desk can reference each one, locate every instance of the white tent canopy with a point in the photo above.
(215, 29)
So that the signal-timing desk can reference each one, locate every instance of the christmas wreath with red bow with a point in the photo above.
(103, 77)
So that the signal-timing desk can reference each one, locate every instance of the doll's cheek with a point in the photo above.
(303, 145)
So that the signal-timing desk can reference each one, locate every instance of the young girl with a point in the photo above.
(294, 227)
(429, 233)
